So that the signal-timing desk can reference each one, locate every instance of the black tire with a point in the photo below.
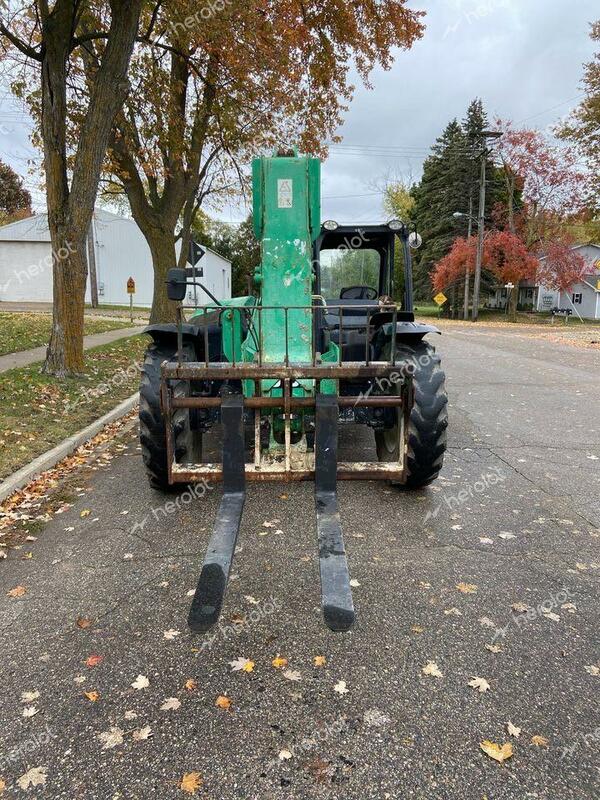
(428, 419)
(153, 438)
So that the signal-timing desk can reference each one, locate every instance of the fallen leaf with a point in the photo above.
(551, 615)
(431, 668)
(30, 711)
(241, 665)
(485, 540)
(18, 591)
(190, 782)
(29, 697)
(83, 622)
(539, 741)
(354, 583)
(507, 535)
(191, 685)
(111, 738)
(340, 687)
(320, 661)
(85, 513)
(93, 661)
(171, 704)
(279, 662)
(93, 696)
(292, 675)
(493, 648)
(2, 785)
(223, 702)
(80, 679)
(592, 669)
(252, 600)
(141, 682)
(284, 755)
(36, 776)
(466, 588)
(141, 734)
(486, 622)
(452, 611)
(513, 730)
(496, 752)
(171, 634)
(520, 608)
(480, 684)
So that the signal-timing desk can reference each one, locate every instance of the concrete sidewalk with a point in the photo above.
(25, 357)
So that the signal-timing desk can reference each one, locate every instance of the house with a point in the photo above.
(116, 251)
(582, 299)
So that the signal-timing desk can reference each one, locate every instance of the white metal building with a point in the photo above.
(117, 249)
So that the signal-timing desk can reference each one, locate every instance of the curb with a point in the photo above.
(52, 457)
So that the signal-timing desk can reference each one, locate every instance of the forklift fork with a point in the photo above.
(336, 595)
(208, 599)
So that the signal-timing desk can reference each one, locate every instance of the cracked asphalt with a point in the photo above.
(514, 519)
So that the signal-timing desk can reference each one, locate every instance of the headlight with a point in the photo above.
(395, 224)
(330, 225)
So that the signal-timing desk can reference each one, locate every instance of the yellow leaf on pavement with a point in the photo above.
(497, 752)
(320, 661)
(539, 741)
(190, 782)
(191, 685)
(18, 591)
(279, 662)
(466, 588)
(223, 702)
(93, 696)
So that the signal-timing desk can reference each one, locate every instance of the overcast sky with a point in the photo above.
(522, 57)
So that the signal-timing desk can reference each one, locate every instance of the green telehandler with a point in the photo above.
(320, 344)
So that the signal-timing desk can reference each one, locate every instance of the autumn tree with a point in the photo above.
(547, 179)
(15, 200)
(505, 256)
(583, 126)
(42, 45)
(216, 89)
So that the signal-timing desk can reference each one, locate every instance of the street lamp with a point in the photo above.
(472, 219)
(481, 223)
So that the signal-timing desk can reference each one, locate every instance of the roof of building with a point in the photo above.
(35, 229)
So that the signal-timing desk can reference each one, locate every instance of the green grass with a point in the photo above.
(112, 307)
(24, 331)
(38, 411)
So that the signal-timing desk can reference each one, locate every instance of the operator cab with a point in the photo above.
(355, 278)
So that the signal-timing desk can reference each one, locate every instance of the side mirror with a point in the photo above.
(176, 284)
(415, 240)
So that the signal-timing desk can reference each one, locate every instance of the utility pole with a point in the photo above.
(481, 221)
(480, 232)
(467, 274)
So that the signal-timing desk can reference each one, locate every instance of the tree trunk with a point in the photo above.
(70, 208)
(162, 247)
(69, 268)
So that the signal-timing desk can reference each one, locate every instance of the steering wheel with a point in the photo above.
(359, 293)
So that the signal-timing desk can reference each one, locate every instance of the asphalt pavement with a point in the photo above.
(492, 574)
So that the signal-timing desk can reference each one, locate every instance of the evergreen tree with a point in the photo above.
(450, 183)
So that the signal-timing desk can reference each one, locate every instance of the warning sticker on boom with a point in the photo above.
(284, 193)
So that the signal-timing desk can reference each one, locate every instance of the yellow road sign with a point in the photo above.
(440, 299)
(130, 286)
